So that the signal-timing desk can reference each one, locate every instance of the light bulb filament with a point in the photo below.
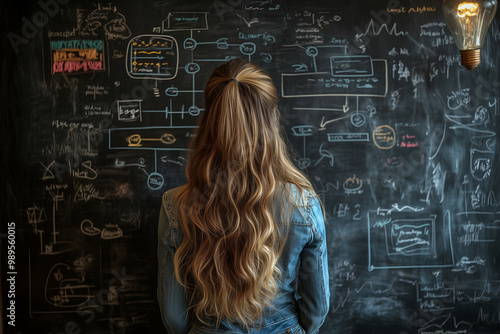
(467, 9)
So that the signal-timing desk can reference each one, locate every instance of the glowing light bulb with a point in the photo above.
(469, 21)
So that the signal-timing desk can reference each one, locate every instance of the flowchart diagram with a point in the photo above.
(157, 57)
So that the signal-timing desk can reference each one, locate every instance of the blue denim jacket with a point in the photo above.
(303, 298)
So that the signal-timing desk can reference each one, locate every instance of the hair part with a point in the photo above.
(238, 166)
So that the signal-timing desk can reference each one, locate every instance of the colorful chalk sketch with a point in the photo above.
(77, 56)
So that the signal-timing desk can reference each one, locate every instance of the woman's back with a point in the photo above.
(232, 217)
(303, 264)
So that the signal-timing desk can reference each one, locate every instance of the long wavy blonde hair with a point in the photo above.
(238, 163)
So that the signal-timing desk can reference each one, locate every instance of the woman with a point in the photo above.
(241, 246)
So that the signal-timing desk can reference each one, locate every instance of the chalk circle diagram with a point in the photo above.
(248, 48)
(194, 111)
(190, 44)
(358, 119)
(311, 51)
(153, 57)
(155, 181)
(192, 68)
(384, 137)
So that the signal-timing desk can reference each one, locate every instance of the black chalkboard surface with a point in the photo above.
(99, 101)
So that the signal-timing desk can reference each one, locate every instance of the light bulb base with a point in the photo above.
(470, 58)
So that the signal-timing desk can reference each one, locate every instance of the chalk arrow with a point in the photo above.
(323, 123)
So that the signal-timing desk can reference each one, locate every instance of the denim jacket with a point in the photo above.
(303, 298)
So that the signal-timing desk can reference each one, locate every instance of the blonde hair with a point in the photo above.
(238, 163)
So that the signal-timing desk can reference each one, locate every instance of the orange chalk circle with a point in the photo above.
(384, 137)
(167, 138)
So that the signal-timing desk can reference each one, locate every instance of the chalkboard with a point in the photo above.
(99, 102)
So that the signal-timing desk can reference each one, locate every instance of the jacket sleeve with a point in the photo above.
(170, 293)
(313, 278)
